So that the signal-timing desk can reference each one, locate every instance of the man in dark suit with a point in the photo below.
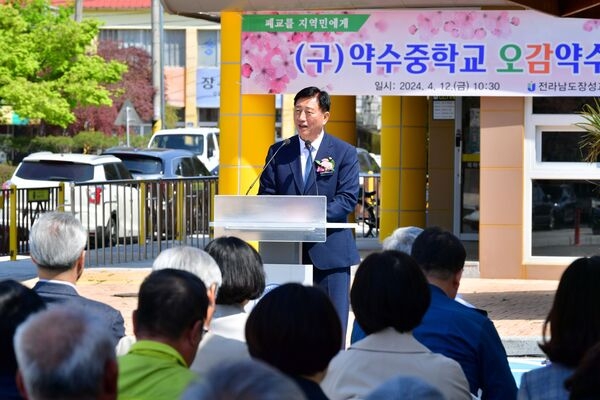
(316, 163)
(57, 246)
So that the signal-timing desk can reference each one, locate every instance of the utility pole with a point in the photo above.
(157, 73)
(78, 10)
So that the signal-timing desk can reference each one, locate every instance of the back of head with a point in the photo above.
(405, 387)
(63, 353)
(245, 379)
(241, 267)
(294, 328)
(439, 253)
(169, 301)
(56, 240)
(389, 290)
(402, 239)
(190, 259)
(574, 318)
(17, 302)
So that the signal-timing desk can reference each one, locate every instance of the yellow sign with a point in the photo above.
(38, 195)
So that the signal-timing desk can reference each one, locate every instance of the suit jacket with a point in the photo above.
(368, 363)
(57, 293)
(545, 383)
(283, 176)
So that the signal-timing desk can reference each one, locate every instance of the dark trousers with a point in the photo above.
(336, 283)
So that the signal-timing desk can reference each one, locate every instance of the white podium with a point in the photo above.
(280, 224)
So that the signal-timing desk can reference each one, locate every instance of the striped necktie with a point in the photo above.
(309, 161)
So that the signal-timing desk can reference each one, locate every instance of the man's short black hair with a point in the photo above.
(439, 252)
(312, 91)
(170, 301)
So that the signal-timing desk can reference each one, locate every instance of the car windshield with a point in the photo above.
(193, 143)
(55, 171)
(137, 164)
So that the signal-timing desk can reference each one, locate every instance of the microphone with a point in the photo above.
(285, 143)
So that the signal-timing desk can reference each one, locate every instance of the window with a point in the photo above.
(55, 171)
(563, 219)
(174, 42)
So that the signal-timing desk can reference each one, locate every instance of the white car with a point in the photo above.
(108, 211)
(204, 142)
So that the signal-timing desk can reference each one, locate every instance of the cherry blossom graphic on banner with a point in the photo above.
(421, 53)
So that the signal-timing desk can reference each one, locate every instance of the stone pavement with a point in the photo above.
(517, 307)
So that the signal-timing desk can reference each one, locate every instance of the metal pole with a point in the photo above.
(78, 10)
(162, 67)
(127, 124)
(156, 64)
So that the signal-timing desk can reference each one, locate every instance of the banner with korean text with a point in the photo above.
(421, 52)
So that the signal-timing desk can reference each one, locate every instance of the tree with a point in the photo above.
(135, 86)
(48, 65)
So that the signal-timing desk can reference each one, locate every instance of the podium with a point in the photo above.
(280, 224)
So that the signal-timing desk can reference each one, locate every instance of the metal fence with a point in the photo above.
(126, 220)
(134, 220)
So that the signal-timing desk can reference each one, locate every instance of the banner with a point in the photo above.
(421, 53)
(208, 87)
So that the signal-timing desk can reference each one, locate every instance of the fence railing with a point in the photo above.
(134, 220)
(125, 220)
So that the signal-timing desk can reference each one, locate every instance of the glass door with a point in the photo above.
(466, 168)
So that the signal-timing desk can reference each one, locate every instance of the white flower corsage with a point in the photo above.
(325, 166)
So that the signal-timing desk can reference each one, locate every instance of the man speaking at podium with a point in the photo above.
(316, 163)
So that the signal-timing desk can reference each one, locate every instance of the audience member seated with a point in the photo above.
(168, 324)
(66, 352)
(297, 330)
(197, 262)
(57, 243)
(17, 302)
(401, 240)
(455, 330)
(584, 384)
(574, 325)
(243, 280)
(406, 388)
(243, 379)
(389, 297)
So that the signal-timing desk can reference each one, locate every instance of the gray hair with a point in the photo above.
(190, 259)
(62, 353)
(56, 240)
(402, 239)
(245, 379)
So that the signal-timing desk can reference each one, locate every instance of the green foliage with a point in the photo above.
(590, 143)
(171, 117)
(6, 172)
(47, 64)
(56, 144)
(139, 141)
(93, 142)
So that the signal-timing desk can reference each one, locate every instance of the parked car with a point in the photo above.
(553, 205)
(155, 163)
(162, 168)
(204, 142)
(104, 209)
